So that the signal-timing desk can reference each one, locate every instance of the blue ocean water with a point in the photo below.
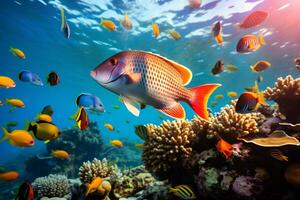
(34, 27)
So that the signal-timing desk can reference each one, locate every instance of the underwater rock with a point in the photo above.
(133, 181)
(292, 175)
(51, 186)
(246, 186)
(81, 145)
(167, 145)
(99, 168)
(286, 93)
(231, 125)
(269, 125)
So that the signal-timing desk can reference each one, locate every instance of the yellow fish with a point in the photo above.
(93, 186)
(20, 138)
(232, 94)
(277, 154)
(15, 103)
(108, 25)
(139, 146)
(219, 96)
(109, 127)
(17, 52)
(116, 143)
(44, 130)
(126, 22)
(231, 68)
(214, 103)
(155, 29)
(183, 191)
(174, 34)
(260, 66)
(60, 154)
(7, 82)
(44, 117)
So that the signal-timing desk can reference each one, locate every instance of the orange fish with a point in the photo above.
(224, 148)
(15, 103)
(9, 176)
(195, 3)
(217, 33)
(60, 154)
(108, 25)
(143, 78)
(109, 127)
(260, 66)
(126, 22)
(250, 43)
(7, 82)
(155, 29)
(20, 138)
(116, 143)
(92, 187)
(232, 94)
(174, 34)
(254, 19)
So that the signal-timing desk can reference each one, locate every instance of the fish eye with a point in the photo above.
(31, 142)
(113, 61)
(58, 133)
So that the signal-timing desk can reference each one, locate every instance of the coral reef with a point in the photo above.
(99, 168)
(286, 93)
(230, 125)
(167, 145)
(51, 186)
(133, 181)
(81, 145)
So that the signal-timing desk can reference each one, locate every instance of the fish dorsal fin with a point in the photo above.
(132, 106)
(278, 134)
(186, 74)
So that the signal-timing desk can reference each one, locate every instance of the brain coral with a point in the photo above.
(286, 93)
(167, 144)
(98, 168)
(51, 186)
(231, 125)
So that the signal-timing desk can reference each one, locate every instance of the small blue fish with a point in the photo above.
(90, 102)
(27, 76)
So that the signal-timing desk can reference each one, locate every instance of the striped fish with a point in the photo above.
(143, 78)
(253, 19)
(277, 154)
(183, 191)
(250, 43)
(142, 132)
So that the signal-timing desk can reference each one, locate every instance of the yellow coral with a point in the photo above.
(98, 168)
(231, 125)
(167, 143)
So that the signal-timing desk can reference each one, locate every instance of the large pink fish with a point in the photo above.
(143, 78)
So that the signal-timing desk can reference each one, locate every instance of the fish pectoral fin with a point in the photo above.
(133, 78)
(132, 106)
(251, 45)
(175, 111)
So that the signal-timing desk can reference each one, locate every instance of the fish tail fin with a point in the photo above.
(253, 69)
(5, 137)
(199, 99)
(101, 21)
(261, 99)
(219, 39)
(262, 40)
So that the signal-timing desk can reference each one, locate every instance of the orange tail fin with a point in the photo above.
(200, 98)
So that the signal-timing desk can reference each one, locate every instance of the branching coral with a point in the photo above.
(231, 125)
(286, 93)
(98, 168)
(167, 144)
(51, 186)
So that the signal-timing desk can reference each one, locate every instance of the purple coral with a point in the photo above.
(247, 186)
